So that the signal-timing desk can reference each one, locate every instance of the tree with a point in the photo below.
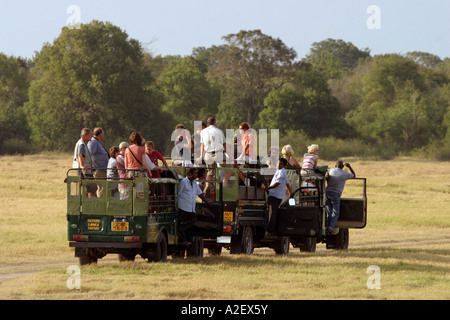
(188, 94)
(14, 85)
(335, 57)
(248, 67)
(395, 108)
(425, 59)
(304, 105)
(89, 77)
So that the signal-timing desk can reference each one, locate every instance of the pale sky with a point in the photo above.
(177, 26)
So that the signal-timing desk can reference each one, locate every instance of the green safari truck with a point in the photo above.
(245, 213)
(130, 217)
(301, 220)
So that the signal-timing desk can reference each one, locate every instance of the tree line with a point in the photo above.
(339, 96)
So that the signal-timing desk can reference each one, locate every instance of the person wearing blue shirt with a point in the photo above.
(335, 187)
(188, 191)
(100, 157)
(276, 190)
(99, 154)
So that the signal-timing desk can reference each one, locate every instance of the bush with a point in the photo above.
(332, 148)
(16, 146)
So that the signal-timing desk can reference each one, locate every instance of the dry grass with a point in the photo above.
(406, 236)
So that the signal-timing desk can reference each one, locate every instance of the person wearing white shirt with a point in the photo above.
(213, 145)
(276, 190)
(188, 191)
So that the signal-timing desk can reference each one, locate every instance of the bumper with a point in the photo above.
(107, 245)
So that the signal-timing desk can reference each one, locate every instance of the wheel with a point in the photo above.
(342, 239)
(179, 253)
(126, 257)
(283, 246)
(160, 253)
(308, 244)
(235, 245)
(84, 257)
(86, 260)
(215, 251)
(247, 241)
(196, 248)
(339, 241)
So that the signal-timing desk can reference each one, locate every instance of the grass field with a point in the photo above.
(407, 237)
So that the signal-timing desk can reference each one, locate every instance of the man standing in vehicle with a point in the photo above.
(82, 157)
(100, 157)
(335, 187)
(188, 191)
(276, 190)
(213, 145)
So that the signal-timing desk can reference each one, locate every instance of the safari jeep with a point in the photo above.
(302, 219)
(245, 215)
(131, 217)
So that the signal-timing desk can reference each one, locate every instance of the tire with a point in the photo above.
(126, 257)
(339, 241)
(179, 253)
(215, 251)
(160, 253)
(342, 239)
(235, 246)
(308, 244)
(86, 260)
(84, 257)
(195, 249)
(283, 246)
(248, 244)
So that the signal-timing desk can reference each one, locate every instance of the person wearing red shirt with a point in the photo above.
(154, 157)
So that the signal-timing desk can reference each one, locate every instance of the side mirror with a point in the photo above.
(291, 202)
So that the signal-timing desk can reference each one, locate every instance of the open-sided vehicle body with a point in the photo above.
(301, 221)
(303, 218)
(136, 216)
(245, 213)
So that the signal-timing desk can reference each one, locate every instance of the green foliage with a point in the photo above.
(335, 57)
(249, 66)
(305, 104)
(424, 58)
(396, 106)
(89, 77)
(332, 148)
(338, 96)
(14, 85)
(188, 94)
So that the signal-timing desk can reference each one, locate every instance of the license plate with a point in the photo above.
(119, 226)
(223, 239)
(228, 216)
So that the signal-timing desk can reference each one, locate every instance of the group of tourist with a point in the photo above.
(135, 158)
(280, 183)
(138, 158)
